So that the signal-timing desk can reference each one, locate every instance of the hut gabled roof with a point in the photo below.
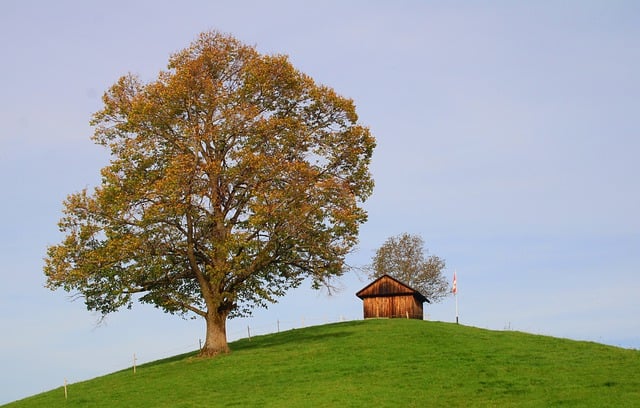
(389, 286)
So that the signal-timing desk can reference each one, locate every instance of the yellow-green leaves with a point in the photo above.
(233, 176)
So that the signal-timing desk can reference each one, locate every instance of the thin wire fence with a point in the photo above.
(235, 331)
(251, 330)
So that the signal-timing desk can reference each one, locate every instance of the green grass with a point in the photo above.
(375, 363)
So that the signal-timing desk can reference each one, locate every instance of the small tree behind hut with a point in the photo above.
(403, 258)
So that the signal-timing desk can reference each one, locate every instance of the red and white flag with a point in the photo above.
(455, 284)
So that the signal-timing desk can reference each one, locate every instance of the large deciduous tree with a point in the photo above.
(403, 257)
(233, 177)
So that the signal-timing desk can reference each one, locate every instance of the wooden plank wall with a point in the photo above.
(392, 307)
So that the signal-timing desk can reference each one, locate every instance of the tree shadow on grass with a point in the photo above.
(293, 336)
(179, 357)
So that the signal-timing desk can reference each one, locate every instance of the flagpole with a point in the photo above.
(455, 292)
(456, 296)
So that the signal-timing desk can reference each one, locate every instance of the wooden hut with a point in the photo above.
(388, 297)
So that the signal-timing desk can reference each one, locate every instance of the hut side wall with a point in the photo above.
(392, 306)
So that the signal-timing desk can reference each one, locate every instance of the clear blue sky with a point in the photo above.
(508, 138)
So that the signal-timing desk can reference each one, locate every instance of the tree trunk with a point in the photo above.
(216, 342)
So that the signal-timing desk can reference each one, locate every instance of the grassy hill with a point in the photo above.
(375, 363)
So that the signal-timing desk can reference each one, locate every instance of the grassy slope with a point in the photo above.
(375, 363)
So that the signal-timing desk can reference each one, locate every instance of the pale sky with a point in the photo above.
(508, 138)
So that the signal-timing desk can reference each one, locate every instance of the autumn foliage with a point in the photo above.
(233, 177)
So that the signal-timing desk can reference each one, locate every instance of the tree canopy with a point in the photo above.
(403, 257)
(233, 178)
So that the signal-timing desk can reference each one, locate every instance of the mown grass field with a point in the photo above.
(375, 363)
